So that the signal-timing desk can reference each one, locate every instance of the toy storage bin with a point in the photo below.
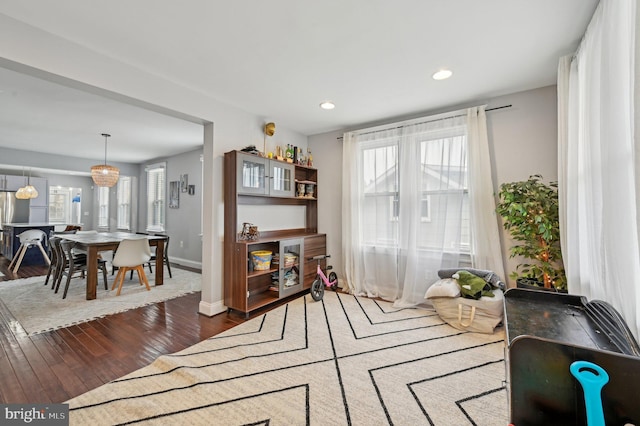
(261, 260)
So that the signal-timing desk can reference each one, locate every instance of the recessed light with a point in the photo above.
(327, 105)
(442, 75)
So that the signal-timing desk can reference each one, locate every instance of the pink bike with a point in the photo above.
(317, 288)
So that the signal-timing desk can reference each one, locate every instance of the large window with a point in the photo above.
(124, 203)
(156, 197)
(441, 192)
(103, 207)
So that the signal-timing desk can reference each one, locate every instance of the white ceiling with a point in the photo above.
(280, 59)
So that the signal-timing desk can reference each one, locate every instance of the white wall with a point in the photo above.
(522, 140)
(30, 47)
(327, 158)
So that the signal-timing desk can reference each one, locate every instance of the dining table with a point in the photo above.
(93, 244)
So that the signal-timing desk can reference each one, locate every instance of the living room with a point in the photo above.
(522, 117)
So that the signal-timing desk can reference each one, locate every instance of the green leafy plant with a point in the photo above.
(529, 210)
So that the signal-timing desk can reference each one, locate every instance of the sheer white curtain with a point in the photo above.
(486, 250)
(406, 205)
(597, 169)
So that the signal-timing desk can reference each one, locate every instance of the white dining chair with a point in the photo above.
(131, 255)
(29, 239)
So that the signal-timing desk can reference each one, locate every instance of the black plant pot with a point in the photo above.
(533, 284)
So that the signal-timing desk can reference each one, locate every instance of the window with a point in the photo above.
(103, 207)
(124, 203)
(64, 205)
(445, 193)
(380, 188)
(156, 197)
(440, 196)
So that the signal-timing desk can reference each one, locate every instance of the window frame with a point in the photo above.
(123, 213)
(156, 200)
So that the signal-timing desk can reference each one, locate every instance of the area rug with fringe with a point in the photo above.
(37, 308)
(344, 360)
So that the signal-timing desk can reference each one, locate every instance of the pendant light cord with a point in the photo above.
(106, 135)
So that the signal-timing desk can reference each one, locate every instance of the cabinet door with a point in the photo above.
(40, 184)
(252, 174)
(290, 266)
(13, 183)
(281, 179)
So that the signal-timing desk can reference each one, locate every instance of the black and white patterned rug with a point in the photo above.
(342, 361)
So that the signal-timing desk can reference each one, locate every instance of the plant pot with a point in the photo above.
(533, 284)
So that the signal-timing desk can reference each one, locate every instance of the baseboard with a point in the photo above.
(211, 309)
(185, 262)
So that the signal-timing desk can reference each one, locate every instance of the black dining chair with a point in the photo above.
(77, 263)
(165, 256)
(54, 266)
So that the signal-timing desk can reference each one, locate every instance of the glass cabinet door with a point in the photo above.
(282, 179)
(252, 174)
(290, 265)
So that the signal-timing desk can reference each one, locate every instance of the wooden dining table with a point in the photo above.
(93, 244)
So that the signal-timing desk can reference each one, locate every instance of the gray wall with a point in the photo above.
(522, 141)
(184, 224)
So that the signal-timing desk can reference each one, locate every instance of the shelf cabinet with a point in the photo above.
(262, 176)
(247, 289)
(251, 179)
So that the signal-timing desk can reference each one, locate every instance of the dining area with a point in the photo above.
(94, 254)
(95, 276)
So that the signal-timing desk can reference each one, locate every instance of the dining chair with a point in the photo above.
(29, 239)
(87, 232)
(115, 268)
(52, 272)
(131, 255)
(74, 263)
(61, 263)
(165, 256)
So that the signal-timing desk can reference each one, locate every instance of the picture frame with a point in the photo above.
(184, 183)
(174, 194)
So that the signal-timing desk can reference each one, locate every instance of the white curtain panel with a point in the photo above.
(370, 270)
(601, 251)
(486, 251)
(407, 205)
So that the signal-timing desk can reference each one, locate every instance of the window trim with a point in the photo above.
(151, 226)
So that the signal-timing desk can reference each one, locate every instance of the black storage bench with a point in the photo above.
(546, 333)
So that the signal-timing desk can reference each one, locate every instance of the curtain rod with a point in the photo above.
(430, 121)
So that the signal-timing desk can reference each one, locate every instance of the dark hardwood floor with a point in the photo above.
(55, 366)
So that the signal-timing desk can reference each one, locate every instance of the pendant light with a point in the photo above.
(28, 191)
(104, 174)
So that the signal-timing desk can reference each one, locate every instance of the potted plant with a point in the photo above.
(529, 210)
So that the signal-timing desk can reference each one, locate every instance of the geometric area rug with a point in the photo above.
(37, 308)
(344, 360)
